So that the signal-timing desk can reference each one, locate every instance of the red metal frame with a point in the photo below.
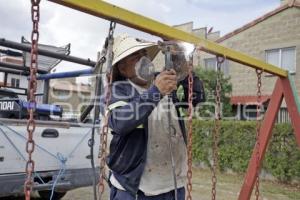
(282, 89)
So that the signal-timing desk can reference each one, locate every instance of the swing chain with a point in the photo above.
(190, 129)
(217, 127)
(30, 144)
(111, 31)
(105, 128)
(220, 61)
(258, 124)
(103, 138)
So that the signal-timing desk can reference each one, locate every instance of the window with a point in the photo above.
(61, 94)
(284, 58)
(211, 64)
(15, 82)
(283, 116)
(84, 96)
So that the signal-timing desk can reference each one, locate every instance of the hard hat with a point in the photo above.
(125, 45)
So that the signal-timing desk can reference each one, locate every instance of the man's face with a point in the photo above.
(127, 65)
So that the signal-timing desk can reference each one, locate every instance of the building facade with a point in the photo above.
(73, 97)
(18, 82)
(273, 38)
(64, 92)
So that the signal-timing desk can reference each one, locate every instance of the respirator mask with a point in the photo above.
(144, 69)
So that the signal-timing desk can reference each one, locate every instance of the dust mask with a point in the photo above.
(144, 69)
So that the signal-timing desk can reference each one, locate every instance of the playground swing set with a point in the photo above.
(283, 88)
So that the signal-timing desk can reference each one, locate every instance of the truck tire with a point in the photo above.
(46, 194)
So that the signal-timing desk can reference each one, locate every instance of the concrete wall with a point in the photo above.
(69, 95)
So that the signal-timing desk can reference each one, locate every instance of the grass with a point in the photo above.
(229, 186)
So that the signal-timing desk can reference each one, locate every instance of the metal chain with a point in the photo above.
(217, 127)
(258, 124)
(98, 87)
(35, 16)
(103, 142)
(190, 132)
(112, 28)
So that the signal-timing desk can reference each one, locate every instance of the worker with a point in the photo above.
(139, 154)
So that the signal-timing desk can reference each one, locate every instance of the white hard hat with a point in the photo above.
(125, 45)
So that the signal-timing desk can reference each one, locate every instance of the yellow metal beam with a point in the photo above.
(111, 12)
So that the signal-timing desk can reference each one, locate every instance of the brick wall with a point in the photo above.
(279, 31)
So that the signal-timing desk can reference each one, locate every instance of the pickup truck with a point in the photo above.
(62, 154)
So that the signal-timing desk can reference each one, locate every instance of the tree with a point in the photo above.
(209, 78)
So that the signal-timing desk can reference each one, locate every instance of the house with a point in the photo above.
(67, 93)
(14, 69)
(73, 97)
(17, 80)
(274, 38)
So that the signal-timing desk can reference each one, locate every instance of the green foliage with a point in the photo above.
(283, 157)
(237, 140)
(209, 78)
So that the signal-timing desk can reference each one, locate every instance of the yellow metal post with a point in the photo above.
(111, 12)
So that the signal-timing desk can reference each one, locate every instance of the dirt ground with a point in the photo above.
(228, 188)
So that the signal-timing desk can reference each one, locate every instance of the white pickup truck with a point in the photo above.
(62, 154)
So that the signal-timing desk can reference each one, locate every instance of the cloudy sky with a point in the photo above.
(60, 25)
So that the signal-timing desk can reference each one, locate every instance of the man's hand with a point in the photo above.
(166, 81)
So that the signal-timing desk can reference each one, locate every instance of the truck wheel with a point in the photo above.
(46, 194)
